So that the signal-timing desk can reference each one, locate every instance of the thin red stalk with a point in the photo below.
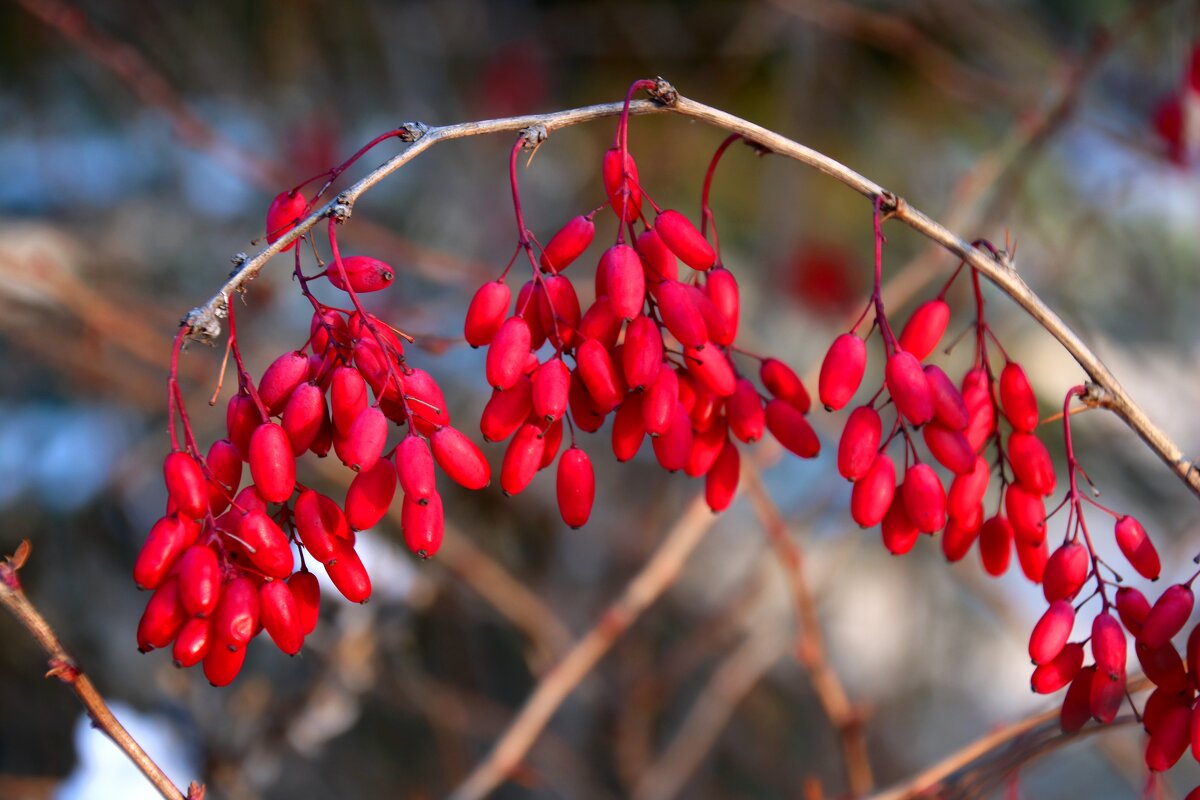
(705, 210)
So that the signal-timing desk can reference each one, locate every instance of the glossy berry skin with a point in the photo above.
(1167, 616)
(909, 388)
(506, 356)
(423, 526)
(284, 212)
(1137, 548)
(782, 382)
(1017, 398)
(235, 620)
(167, 541)
(721, 482)
(924, 328)
(567, 244)
(370, 495)
(460, 458)
(1066, 572)
(624, 279)
(791, 429)
(685, 240)
(272, 465)
(576, 487)
(924, 498)
(362, 274)
(872, 494)
(859, 443)
(186, 485)
(486, 312)
(199, 580)
(842, 371)
(1051, 632)
(621, 184)
(280, 616)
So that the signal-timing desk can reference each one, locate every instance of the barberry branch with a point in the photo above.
(204, 320)
(842, 714)
(922, 784)
(659, 572)
(67, 670)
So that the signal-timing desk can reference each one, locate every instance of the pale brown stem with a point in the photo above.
(929, 778)
(810, 647)
(65, 669)
(204, 321)
(737, 675)
(658, 573)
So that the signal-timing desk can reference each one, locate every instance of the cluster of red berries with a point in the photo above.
(956, 426)
(652, 349)
(220, 561)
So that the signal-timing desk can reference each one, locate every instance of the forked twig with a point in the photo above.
(66, 669)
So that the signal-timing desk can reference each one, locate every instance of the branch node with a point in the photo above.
(203, 323)
(533, 136)
(64, 669)
(890, 204)
(663, 92)
(412, 131)
(342, 207)
(1096, 396)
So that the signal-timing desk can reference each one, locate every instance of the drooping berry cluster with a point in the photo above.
(221, 561)
(1098, 690)
(653, 349)
(956, 427)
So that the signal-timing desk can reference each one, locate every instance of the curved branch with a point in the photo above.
(64, 668)
(204, 321)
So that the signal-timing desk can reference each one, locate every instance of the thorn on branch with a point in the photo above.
(663, 92)
(12, 564)
(412, 131)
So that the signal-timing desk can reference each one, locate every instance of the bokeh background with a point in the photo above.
(139, 146)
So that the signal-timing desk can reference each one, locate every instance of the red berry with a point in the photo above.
(1027, 513)
(909, 388)
(167, 541)
(348, 574)
(199, 580)
(192, 643)
(721, 482)
(163, 617)
(782, 382)
(1059, 671)
(222, 665)
(241, 419)
(722, 289)
(320, 522)
(624, 279)
(685, 240)
(567, 244)
(1051, 632)
(900, 532)
(414, 468)
(347, 397)
(1077, 708)
(521, 459)
(707, 444)
(1137, 548)
(679, 314)
(675, 444)
(1033, 558)
(658, 262)
(1169, 738)
(281, 378)
(284, 212)
(460, 458)
(423, 526)
(506, 356)
(658, 406)
(842, 371)
(363, 274)
(486, 312)
(924, 328)
(307, 593)
(873, 492)
(266, 544)
(924, 498)
(576, 487)
(236, 619)
(186, 485)
(587, 415)
(507, 410)
(629, 428)
(950, 448)
(595, 368)
(958, 537)
(747, 420)
(1017, 398)
(362, 445)
(601, 323)
(1031, 462)
(621, 184)
(791, 429)
(558, 310)
(1108, 646)
(996, 545)
(303, 416)
(1133, 608)
(1168, 616)
(643, 352)
(1163, 666)
(370, 495)
(281, 616)
(272, 465)
(1066, 572)
(967, 490)
(551, 386)
(949, 408)
(712, 368)
(225, 467)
